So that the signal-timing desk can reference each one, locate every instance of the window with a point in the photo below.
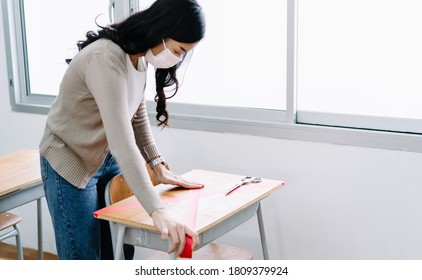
(50, 39)
(238, 78)
(46, 39)
(239, 68)
(360, 64)
(288, 69)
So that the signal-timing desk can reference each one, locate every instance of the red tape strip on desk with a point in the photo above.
(115, 209)
(191, 214)
(121, 208)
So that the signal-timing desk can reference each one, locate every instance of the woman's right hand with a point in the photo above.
(177, 231)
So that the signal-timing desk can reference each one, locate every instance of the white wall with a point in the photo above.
(339, 202)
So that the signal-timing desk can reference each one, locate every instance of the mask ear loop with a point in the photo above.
(183, 66)
(164, 43)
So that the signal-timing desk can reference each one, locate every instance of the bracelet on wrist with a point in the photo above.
(156, 161)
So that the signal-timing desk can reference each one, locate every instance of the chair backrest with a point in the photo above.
(119, 189)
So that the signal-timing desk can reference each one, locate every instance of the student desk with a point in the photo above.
(20, 183)
(216, 213)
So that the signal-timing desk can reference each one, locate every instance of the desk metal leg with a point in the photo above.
(118, 254)
(39, 225)
(262, 232)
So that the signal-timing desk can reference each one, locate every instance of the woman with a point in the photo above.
(98, 126)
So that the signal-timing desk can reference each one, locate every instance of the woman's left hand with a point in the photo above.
(166, 176)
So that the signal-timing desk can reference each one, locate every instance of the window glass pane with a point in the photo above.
(52, 30)
(241, 61)
(360, 57)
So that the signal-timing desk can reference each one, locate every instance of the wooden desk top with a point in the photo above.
(213, 205)
(19, 170)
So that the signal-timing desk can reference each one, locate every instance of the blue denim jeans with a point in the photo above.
(78, 234)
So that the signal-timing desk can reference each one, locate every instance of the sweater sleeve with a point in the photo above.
(143, 133)
(106, 80)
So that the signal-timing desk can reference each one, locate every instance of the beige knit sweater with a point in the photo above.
(101, 107)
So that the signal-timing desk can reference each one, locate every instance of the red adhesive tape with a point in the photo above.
(115, 209)
(191, 213)
(187, 251)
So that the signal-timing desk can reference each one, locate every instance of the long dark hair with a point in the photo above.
(181, 20)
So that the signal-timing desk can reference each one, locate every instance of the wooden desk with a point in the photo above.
(20, 183)
(217, 213)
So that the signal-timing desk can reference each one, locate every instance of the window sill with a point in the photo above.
(302, 132)
(292, 131)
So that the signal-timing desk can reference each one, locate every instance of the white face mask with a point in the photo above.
(164, 59)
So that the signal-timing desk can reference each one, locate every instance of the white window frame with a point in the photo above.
(21, 99)
(288, 124)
